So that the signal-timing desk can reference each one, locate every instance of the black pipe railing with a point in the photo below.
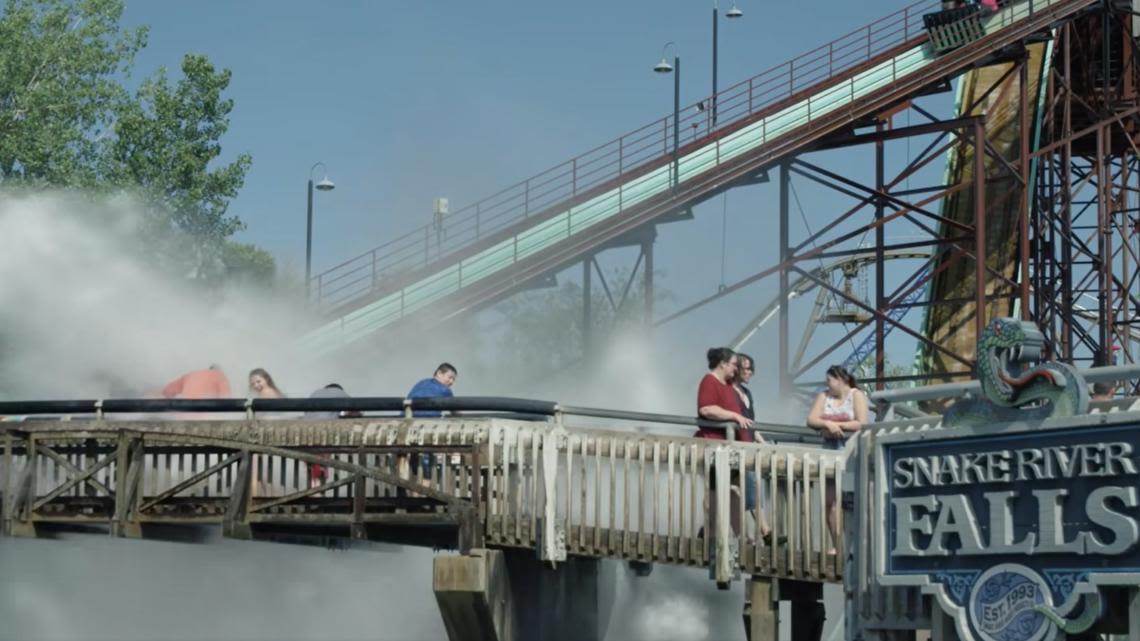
(776, 431)
(501, 407)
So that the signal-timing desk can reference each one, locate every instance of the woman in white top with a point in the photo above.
(261, 385)
(837, 413)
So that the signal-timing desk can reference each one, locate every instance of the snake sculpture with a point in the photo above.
(1093, 609)
(1005, 346)
(1054, 389)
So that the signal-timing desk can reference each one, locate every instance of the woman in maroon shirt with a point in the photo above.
(717, 400)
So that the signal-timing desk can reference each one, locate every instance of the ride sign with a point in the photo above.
(1013, 526)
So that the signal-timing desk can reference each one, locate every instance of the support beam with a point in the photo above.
(942, 627)
(1134, 614)
(7, 489)
(1024, 134)
(647, 252)
(24, 496)
(234, 523)
(895, 133)
(785, 252)
(880, 276)
(807, 611)
(761, 609)
(553, 602)
(979, 229)
(91, 484)
(587, 303)
(474, 596)
(128, 487)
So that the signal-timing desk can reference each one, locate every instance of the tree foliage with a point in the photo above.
(67, 120)
(866, 373)
(165, 143)
(248, 263)
(547, 324)
(59, 68)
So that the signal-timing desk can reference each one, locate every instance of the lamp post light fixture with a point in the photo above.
(675, 69)
(324, 184)
(733, 13)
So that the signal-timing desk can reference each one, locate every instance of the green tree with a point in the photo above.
(248, 263)
(866, 373)
(66, 120)
(59, 63)
(546, 324)
(165, 144)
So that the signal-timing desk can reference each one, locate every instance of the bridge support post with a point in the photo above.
(785, 253)
(942, 627)
(807, 613)
(22, 496)
(474, 596)
(554, 602)
(762, 596)
(1134, 614)
(128, 484)
(761, 609)
(235, 525)
(510, 595)
(587, 308)
(7, 489)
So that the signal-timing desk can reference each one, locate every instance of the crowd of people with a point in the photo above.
(838, 412)
(212, 382)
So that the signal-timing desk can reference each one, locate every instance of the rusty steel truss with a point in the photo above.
(1041, 178)
(1084, 266)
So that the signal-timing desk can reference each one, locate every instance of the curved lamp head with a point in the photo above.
(734, 12)
(664, 66)
(324, 184)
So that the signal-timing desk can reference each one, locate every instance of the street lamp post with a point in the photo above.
(324, 184)
(732, 13)
(675, 69)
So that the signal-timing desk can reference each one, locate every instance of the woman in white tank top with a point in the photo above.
(837, 413)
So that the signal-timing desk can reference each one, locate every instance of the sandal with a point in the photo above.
(767, 538)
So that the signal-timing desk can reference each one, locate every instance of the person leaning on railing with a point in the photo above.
(838, 412)
(717, 400)
(438, 386)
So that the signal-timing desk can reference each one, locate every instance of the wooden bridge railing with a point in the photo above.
(500, 482)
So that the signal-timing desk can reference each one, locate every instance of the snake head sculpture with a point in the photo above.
(1006, 345)
(1009, 386)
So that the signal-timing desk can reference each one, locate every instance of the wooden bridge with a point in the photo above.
(547, 485)
(539, 487)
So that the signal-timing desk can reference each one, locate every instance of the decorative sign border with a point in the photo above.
(994, 599)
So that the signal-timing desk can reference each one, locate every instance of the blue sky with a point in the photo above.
(405, 102)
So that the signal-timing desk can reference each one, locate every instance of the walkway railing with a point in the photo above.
(535, 484)
(894, 401)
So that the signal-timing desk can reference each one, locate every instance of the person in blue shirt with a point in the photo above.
(438, 386)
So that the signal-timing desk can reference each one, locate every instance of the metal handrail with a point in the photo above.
(382, 268)
(946, 391)
(500, 407)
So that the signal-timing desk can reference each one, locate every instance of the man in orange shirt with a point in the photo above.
(203, 383)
